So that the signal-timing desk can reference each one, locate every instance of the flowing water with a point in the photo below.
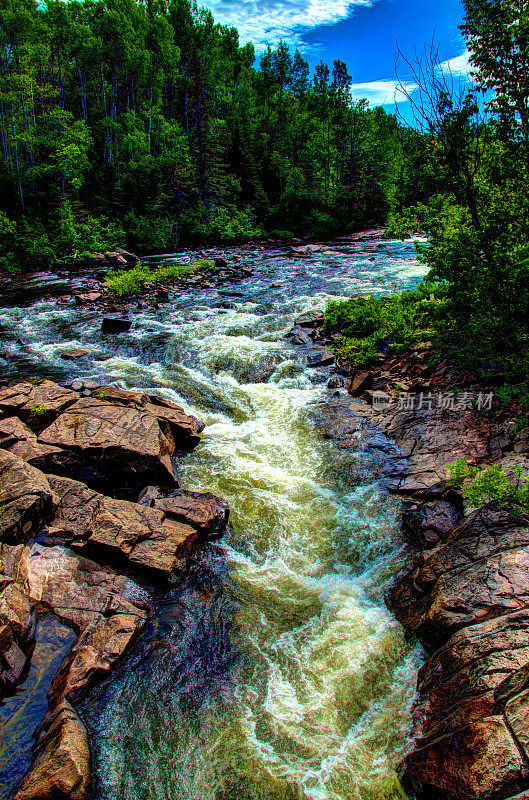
(276, 671)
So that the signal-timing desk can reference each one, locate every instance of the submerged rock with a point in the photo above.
(116, 325)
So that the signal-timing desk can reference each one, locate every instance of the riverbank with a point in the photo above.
(463, 589)
(71, 546)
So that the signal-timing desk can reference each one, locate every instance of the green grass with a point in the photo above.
(133, 280)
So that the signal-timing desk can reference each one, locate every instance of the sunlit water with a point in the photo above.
(276, 672)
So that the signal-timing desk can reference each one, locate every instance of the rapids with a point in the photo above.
(275, 672)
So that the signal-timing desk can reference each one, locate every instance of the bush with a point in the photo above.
(492, 484)
(370, 326)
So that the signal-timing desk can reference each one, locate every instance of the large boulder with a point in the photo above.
(467, 599)
(113, 442)
(184, 427)
(81, 592)
(206, 512)
(119, 529)
(26, 499)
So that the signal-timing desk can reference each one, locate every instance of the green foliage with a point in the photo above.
(38, 409)
(491, 485)
(148, 125)
(370, 326)
(125, 282)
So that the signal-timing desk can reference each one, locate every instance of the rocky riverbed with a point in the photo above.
(463, 590)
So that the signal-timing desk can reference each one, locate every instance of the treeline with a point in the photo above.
(147, 124)
(470, 155)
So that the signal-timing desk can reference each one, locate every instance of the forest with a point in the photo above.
(148, 125)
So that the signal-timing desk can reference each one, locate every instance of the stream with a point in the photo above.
(275, 672)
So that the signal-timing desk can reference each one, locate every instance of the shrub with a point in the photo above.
(370, 326)
(492, 484)
(38, 409)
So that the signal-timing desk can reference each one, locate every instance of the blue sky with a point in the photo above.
(363, 33)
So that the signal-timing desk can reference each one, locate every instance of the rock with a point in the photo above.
(61, 769)
(116, 325)
(302, 338)
(467, 600)
(130, 258)
(73, 355)
(14, 661)
(82, 385)
(308, 249)
(26, 500)
(37, 404)
(426, 523)
(360, 382)
(476, 573)
(184, 427)
(113, 443)
(81, 592)
(479, 762)
(336, 382)
(325, 359)
(220, 263)
(116, 259)
(205, 512)
(18, 621)
(86, 298)
(120, 529)
(92, 658)
(311, 319)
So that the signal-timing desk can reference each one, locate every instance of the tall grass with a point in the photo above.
(129, 281)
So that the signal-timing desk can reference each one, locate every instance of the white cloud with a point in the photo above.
(267, 21)
(381, 93)
(460, 65)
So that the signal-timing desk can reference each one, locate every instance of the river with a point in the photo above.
(275, 672)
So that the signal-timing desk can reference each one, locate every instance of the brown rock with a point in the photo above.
(37, 404)
(86, 298)
(13, 660)
(361, 382)
(479, 762)
(184, 428)
(121, 443)
(81, 592)
(141, 535)
(478, 572)
(26, 499)
(205, 512)
(61, 769)
(93, 657)
(73, 355)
